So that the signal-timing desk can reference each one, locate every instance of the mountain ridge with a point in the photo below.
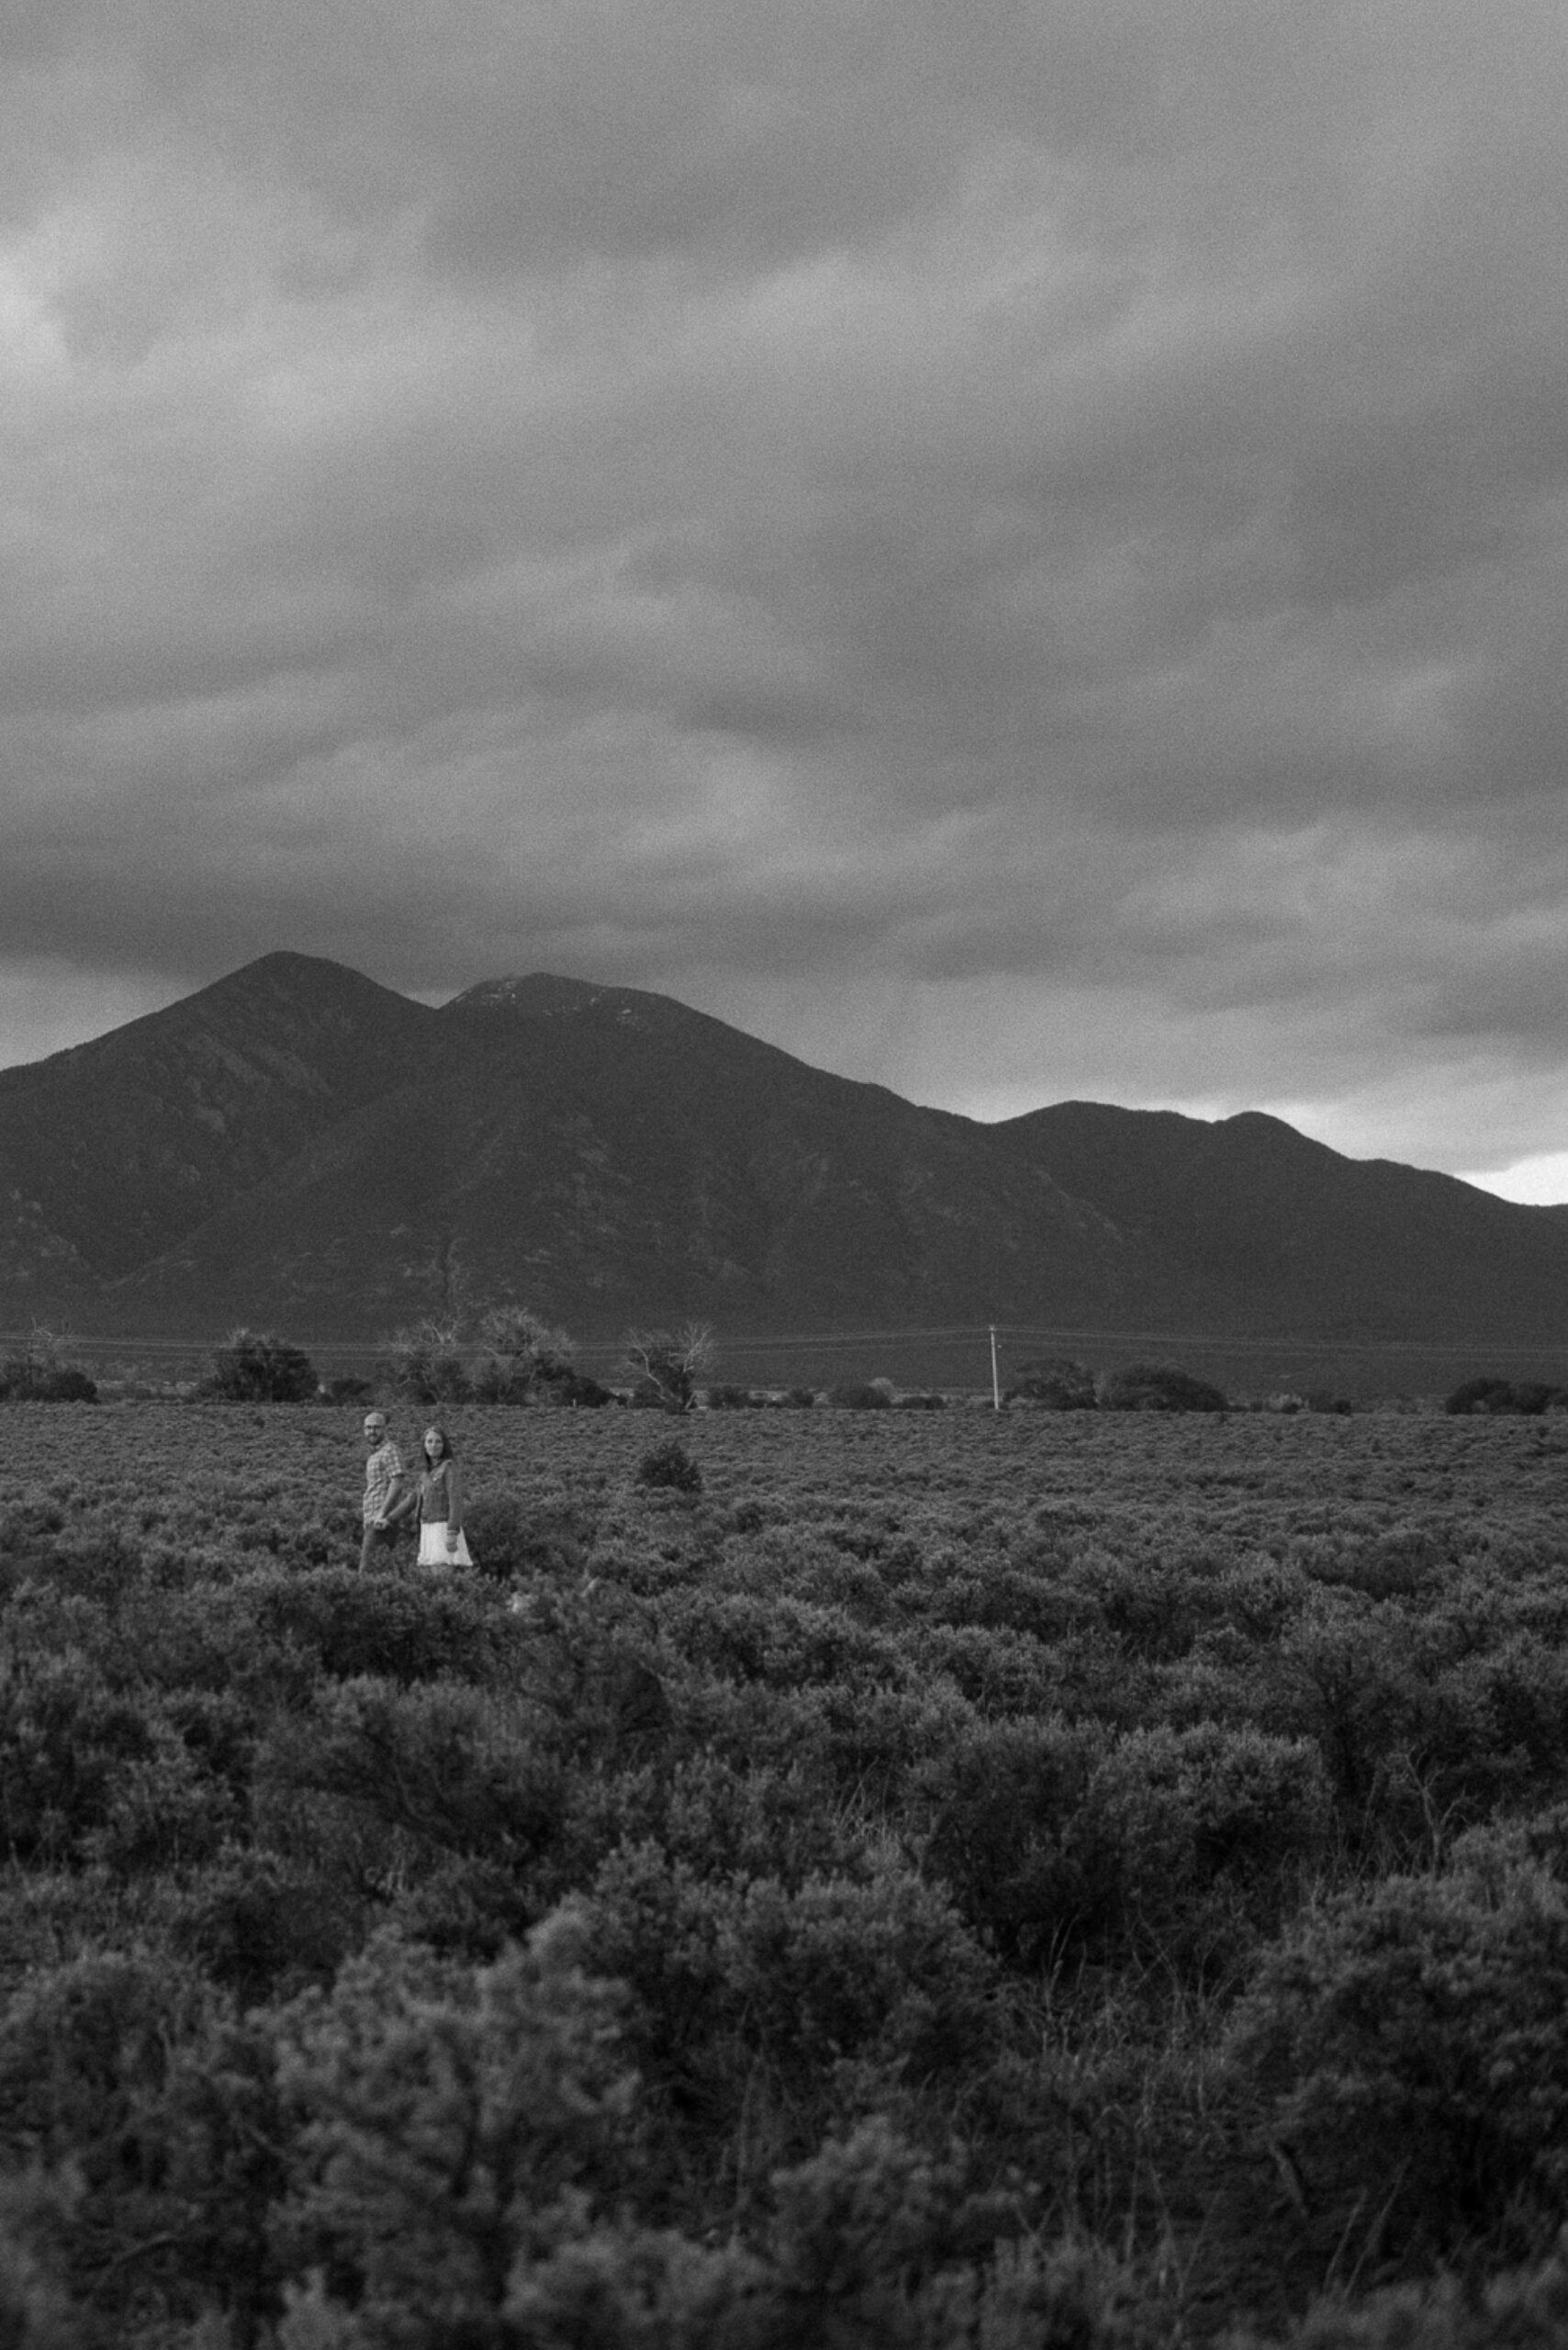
(299, 1146)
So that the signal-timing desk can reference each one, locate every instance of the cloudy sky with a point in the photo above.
(1015, 547)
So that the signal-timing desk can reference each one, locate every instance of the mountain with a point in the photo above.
(614, 1157)
(297, 1147)
(114, 1150)
(1283, 1233)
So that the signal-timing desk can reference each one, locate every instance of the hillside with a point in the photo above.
(114, 1150)
(299, 1146)
(613, 1156)
(1291, 1235)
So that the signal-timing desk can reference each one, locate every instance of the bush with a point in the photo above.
(669, 1467)
(575, 1387)
(255, 1366)
(92, 1774)
(806, 1977)
(118, 2073)
(510, 1539)
(1159, 1387)
(1525, 2309)
(19, 1383)
(453, 2121)
(1485, 1394)
(1057, 1384)
(424, 1362)
(522, 1354)
(41, 1374)
(869, 1396)
(1005, 1806)
(1410, 2044)
(387, 1625)
(1207, 1827)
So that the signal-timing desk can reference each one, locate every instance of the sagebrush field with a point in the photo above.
(1039, 1880)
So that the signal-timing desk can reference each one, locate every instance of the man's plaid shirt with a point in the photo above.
(382, 1472)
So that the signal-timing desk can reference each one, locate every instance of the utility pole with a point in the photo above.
(995, 1382)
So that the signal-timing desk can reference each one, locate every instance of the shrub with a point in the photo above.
(388, 1625)
(1485, 1394)
(875, 1967)
(424, 1362)
(122, 2069)
(1057, 1384)
(1525, 2309)
(1481, 1394)
(866, 1395)
(508, 1540)
(1159, 1387)
(1410, 2044)
(68, 1385)
(1007, 1803)
(670, 1468)
(256, 1367)
(457, 1768)
(575, 1387)
(522, 1354)
(93, 1773)
(453, 2121)
(41, 1373)
(1205, 1827)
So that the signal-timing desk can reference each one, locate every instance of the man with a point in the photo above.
(383, 1486)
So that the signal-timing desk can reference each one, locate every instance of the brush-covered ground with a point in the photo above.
(1053, 1880)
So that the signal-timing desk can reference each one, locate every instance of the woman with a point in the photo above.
(441, 1542)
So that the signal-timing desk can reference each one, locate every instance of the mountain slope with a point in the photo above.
(613, 1156)
(300, 1146)
(1285, 1233)
(111, 1152)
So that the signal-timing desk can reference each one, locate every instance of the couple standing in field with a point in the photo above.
(435, 1497)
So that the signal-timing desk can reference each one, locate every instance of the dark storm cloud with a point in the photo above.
(1019, 549)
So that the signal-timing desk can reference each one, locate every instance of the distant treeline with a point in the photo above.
(506, 1354)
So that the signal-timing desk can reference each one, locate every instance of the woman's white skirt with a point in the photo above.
(433, 1551)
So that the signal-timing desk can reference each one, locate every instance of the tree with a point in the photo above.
(522, 1354)
(1159, 1387)
(257, 1367)
(666, 1365)
(40, 1372)
(1057, 1384)
(1529, 1396)
(425, 1361)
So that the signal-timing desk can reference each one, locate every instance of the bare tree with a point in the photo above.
(669, 1363)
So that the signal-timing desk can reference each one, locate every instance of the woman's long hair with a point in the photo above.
(447, 1452)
